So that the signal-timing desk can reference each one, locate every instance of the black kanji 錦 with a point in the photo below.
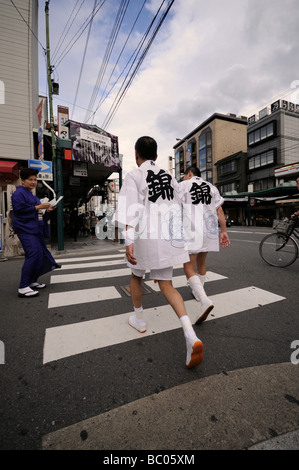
(201, 193)
(159, 185)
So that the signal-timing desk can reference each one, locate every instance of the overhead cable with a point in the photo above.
(113, 36)
(83, 60)
(79, 33)
(120, 96)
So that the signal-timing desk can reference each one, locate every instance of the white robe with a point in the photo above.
(200, 201)
(149, 202)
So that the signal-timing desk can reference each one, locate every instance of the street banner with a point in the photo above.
(94, 145)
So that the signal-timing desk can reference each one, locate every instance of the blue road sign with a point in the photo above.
(42, 166)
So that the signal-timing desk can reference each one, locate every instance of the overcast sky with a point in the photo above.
(226, 56)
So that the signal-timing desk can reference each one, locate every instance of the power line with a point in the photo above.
(83, 60)
(79, 33)
(102, 99)
(114, 33)
(118, 99)
(66, 30)
(44, 49)
(135, 55)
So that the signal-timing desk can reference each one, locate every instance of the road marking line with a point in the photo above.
(181, 281)
(69, 340)
(89, 276)
(88, 258)
(97, 264)
(82, 296)
(61, 278)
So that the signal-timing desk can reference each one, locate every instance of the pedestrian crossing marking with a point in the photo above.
(96, 264)
(62, 299)
(62, 278)
(88, 258)
(181, 281)
(69, 340)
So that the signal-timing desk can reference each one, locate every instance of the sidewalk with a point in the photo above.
(85, 245)
(249, 408)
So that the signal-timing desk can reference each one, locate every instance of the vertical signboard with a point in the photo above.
(63, 116)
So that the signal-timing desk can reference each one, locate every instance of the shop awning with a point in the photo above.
(288, 201)
(9, 170)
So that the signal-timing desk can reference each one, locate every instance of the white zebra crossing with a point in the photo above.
(69, 340)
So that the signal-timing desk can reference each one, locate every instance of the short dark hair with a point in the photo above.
(146, 147)
(194, 169)
(25, 173)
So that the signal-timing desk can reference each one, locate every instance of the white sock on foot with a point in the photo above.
(137, 321)
(193, 344)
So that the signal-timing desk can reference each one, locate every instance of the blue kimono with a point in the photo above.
(31, 232)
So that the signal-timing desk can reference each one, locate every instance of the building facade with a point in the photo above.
(270, 176)
(216, 138)
(18, 78)
(18, 98)
(273, 141)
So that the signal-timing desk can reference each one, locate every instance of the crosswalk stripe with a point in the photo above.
(181, 281)
(69, 340)
(87, 276)
(96, 264)
(62, 278)
(62, 299)
(89, 258)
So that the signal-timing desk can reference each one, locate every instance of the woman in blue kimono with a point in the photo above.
(30, 224)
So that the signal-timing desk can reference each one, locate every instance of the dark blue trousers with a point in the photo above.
(38, 259)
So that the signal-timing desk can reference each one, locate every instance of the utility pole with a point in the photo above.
(57, 163)
(49, 71)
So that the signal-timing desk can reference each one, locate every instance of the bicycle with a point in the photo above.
(280, 249)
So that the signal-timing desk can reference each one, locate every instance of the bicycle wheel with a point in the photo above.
(278, 250)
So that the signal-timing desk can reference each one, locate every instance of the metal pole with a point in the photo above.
(57, 166)
(49, 71)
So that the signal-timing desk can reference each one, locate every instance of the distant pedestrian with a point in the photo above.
(74, 224)
(93, 222)
(30, 224)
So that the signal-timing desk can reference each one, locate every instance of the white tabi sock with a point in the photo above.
(137, 321)
(193, 344)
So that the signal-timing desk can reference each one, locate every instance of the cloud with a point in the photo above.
(229, 57)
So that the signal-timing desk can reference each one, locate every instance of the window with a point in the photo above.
(261, 134)
(226, 188)
(263, 184)
(205, 151)
(265, 158)
(227, 167)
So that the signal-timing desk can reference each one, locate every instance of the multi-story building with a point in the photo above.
(18, 78)
(273, 140)
(272, 149)
(216, 138)
(18, 95)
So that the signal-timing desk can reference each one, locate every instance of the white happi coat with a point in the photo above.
(149, 202)
(200, 202)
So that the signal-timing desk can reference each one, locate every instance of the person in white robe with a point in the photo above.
(202, 210)
(150, 212)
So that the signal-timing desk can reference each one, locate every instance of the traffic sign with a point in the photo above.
(40, 149)
(42, 166)
(40, 134)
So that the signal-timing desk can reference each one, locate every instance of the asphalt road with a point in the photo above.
(138, 394)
